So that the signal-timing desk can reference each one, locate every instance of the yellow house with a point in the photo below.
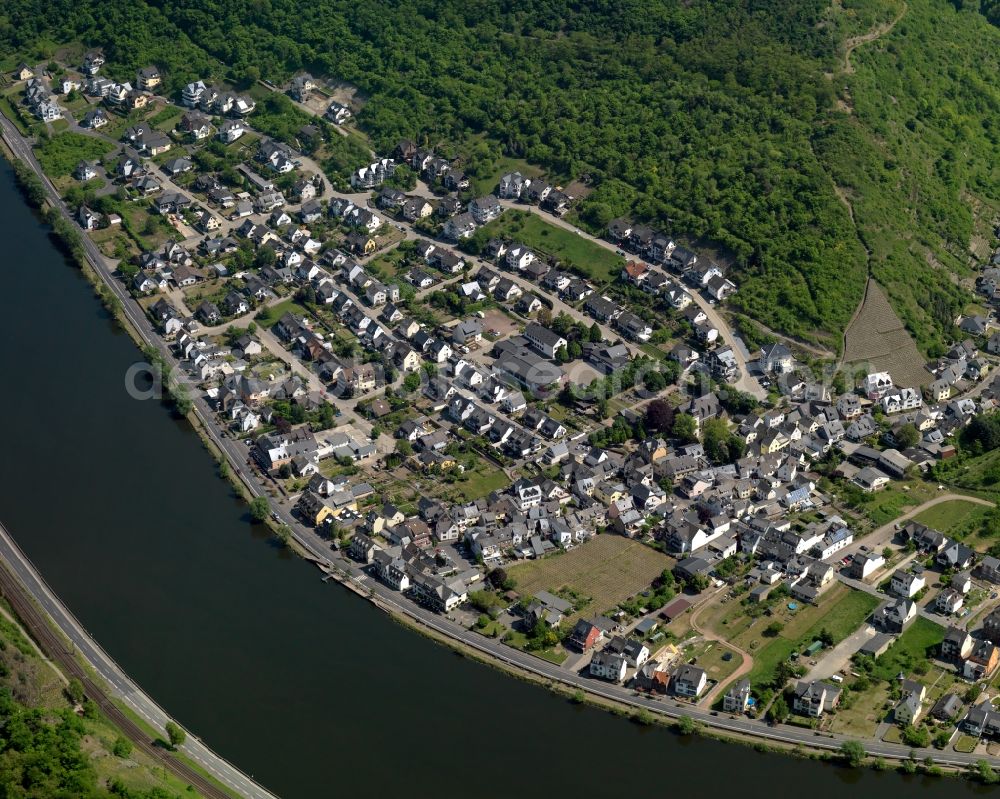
(313, 508)
(773, 442)
(608, 492)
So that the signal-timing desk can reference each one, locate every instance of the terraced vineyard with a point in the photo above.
(877, 337)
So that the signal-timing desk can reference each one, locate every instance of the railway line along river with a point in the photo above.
(303, 685)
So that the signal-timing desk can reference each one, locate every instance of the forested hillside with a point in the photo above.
(734, 122)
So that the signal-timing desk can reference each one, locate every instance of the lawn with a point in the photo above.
(9, 110)
(912, 647)
(864, 714)
(596, 262)
(884, 506)
(519, 640)
(711, 656)
(957, 518)
(609, 569)
(841, 611)
(60, 154)
(268, 316)
(474, 484)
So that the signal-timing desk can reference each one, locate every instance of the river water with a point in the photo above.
(300, 683)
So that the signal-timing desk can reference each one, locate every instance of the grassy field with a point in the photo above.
(268, 316)
(609, 569)
(475, 484)
(598, 263)
(957, 518)
(60, 154)
(711, 656)
(884, 506)
(911, 648)
(840, 611)
(864, 714)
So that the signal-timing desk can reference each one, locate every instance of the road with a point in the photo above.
(747, 382)
(881, 536)
(382, 596)
(121, 687)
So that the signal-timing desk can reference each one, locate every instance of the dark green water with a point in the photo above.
(299, 683)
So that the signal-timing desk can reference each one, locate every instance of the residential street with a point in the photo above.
(320, 550)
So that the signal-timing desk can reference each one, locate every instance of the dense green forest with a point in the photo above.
(726, 122)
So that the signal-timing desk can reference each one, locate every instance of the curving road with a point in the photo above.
(320, 551)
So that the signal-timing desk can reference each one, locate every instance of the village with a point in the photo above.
(553, 439)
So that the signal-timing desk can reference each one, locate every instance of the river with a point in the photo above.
(300, 683)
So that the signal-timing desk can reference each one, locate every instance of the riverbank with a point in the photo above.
(494, 653)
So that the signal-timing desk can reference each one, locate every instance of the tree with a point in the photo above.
(562, 355)
(853, 753)
(918, 737)
(259, 509)
(595, 335)
(574, 349)
(122, 747)
(175, 734)
(685, 427)
(659, 416)
(404, 447)
(654, 381)
(907, 436)
(985, 773)
(887, 553)
(826, 637)
(74, 691)
(687, 725)
(778, 711)
(773, 629)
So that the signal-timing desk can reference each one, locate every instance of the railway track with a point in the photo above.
(55, 648)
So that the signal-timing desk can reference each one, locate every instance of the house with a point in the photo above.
(982, 661)
(815, 698)
(149, 78)
(544, 340)
(95, 119)
(485, 209)
(865, 564)
(467, 332)
(231, 130)
(512, 185)
(338, 113)
(949, 601)
(776, 359)
(957, 644)
(955, 555)
(608, 665)
(906, 583)
(877, 384)
(947, 708)
(460, 226)
(737, 698)
(894, 616)
(689, 681)
(988, 569)
(584, 635)
(869, 479)
(368, 177)
(910, 705)
(85, 171)
(89, 220)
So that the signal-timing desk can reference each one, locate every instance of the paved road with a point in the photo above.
(747, 382)
(382, 596)
(120, 684)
